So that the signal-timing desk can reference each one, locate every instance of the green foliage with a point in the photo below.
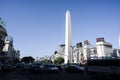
(45, 61)
(27, 59)
(59, 60)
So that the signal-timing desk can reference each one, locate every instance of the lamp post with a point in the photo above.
(71, 60)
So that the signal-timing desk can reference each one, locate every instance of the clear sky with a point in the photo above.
(38, 26)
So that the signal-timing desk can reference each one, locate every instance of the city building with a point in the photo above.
(81, 53)
(3, 33)
(104, 49)
(116, 53)
(10, 53)
(89, 51)
(60, 52)
(78, 53)
(7, 52)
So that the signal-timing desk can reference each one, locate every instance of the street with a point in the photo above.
(27, 75)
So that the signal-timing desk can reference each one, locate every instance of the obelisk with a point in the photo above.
(68, 39)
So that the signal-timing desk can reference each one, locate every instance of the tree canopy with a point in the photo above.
(27, 59)
(59, 60)
(45, 61)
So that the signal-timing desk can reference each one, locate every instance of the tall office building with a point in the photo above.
(68, 39)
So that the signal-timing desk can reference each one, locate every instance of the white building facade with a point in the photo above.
(10, 52)
(60, 52)
(77, 55)
(104, 49)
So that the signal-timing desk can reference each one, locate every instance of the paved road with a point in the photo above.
(26, 75)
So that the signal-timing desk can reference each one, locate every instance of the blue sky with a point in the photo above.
(38, 26)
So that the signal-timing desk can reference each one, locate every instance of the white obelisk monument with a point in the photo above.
(68, 39)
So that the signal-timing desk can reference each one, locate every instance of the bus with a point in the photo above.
(103, 66)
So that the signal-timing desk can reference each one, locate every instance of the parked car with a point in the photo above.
(37, 68)
(7, 67)
(27, 66)
(74, 69)
(60, 67)
(50, 68)
(63, 66)
(1, 66)
(20, 65)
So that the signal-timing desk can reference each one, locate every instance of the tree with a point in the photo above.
(45, 61)
(27, 59)
(59, 60)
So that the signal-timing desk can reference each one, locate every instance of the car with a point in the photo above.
(19, 65)
(51, 68)
(27, 66)
(7, 67)
(60, 67)
(37, 68)
(1, 66)
(74, 69)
